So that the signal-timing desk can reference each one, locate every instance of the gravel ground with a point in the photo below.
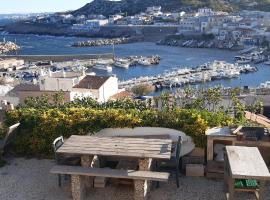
(29, 179)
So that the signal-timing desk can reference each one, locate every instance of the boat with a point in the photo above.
(267, 62)
(242, 59)
(265, 85)
(247, 50)
(123, 63)
(107, 68)
(144, 62)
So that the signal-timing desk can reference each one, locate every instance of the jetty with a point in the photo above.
(59, 58)
(216, 70)
(7, 46)
(102, 42)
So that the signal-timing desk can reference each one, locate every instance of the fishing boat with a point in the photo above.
(123, 63)
(242, 59)
(107, 68)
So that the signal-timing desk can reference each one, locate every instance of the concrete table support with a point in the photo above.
(142, 187)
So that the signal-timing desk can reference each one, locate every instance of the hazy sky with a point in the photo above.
(27, 6)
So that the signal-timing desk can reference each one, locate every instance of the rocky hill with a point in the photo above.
(131, 7)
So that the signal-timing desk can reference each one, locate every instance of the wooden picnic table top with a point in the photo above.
(246, 163)
(117, 146)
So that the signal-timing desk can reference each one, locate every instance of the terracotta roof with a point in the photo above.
(92, 82)
(26, 87)
(121, 95)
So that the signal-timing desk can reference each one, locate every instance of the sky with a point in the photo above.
(36, 6)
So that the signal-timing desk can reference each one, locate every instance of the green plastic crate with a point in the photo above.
(245, 183)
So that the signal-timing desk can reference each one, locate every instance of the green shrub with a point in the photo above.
(39, 127)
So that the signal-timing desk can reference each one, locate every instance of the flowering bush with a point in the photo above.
(39, 127)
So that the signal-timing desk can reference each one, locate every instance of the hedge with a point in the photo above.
(39, 127)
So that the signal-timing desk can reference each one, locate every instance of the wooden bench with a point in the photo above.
(78, 173)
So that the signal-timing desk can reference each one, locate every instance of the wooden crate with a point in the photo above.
(215, 170)
(196, 170)
(191, 160)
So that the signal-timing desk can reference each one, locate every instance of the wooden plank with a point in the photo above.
(110, 173)
(117, 146)
(121, 139)
(246, 163)
(256, 118)
(237, 130)
(120, 154)
(130, 146)
(117, 149)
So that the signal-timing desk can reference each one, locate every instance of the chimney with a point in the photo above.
(64, 73)
(50, 73)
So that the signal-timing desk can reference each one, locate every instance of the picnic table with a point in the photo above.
(245, 163)
(91, 148)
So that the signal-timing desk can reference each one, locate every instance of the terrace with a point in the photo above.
(116, 139)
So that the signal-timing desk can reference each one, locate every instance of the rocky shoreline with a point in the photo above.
(200, 43)
(6, 47)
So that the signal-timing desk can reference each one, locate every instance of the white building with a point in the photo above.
(114, 18)
(205, 11)
(101, 87)
(93, 24)
(189, 24)
(11, 63)
(60, 81)
(153, 10)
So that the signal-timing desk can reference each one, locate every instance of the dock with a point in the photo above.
(59, 58)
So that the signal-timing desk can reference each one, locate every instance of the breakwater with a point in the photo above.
(103, 42)
(6, 47)
(60, 58)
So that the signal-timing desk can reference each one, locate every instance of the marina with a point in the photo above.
(216, 70)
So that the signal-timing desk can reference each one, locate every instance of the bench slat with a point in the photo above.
(110, 173)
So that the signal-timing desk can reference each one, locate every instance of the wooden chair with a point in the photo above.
(175, 158)
(61, 160)
(9, 136)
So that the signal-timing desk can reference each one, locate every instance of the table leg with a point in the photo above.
(230, 195)
(86, 161)
(77, 187)
(142, 187)
(210, 151)
(261, 194)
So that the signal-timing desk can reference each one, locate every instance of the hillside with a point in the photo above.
(131, 7)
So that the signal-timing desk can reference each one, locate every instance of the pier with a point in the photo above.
(59, 58)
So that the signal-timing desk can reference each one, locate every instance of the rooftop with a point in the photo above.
(92, 82)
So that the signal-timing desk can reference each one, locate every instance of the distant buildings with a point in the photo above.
(72, 85)
(90, 25)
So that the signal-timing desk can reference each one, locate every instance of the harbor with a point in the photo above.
(207, 72)
(35, 46)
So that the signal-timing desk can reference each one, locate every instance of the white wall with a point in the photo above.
(57, 84)
(109, 88)
(80, 95)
